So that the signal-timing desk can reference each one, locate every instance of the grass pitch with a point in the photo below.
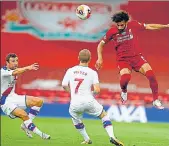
(63, 133)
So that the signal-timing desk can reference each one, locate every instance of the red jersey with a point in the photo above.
(126, 43)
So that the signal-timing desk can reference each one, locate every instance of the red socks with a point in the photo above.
(153, 83)
(124, 80)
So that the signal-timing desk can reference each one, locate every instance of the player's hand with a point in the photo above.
(34, 66)
(99, 64)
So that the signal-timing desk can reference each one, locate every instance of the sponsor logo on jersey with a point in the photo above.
(125, 36)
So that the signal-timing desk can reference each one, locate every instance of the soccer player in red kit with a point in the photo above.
(129, 56)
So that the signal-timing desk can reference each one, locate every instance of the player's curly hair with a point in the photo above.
(10, 55)
(120, 16)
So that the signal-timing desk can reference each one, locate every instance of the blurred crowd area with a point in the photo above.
(48, 32)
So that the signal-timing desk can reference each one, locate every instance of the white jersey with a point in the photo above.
(7, 82)
(80, 80)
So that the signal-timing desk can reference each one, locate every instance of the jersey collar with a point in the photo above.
(5, 68)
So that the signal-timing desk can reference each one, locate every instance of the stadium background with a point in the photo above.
(32, 44)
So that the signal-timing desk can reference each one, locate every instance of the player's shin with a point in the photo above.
(153, 83)
(124, 80)
(82, 130)
(34, 111)
(108, 126)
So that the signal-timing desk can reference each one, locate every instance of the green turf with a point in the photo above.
(63, 133)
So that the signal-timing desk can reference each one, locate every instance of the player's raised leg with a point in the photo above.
(28, 122)
(147, 71)
(109, 129)
(125, 76)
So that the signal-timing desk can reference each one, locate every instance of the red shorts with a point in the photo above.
(134, 63)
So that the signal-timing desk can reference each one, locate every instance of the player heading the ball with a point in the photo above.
(129, 56)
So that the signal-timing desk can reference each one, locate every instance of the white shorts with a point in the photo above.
(92, 108)
(12, 102)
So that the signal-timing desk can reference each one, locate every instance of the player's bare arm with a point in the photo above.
(16, 107)
(96, 89)
(99, 61)
(156, 26)
(18, 71)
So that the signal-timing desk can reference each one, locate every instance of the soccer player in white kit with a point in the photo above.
(79, 80)
(14, 105)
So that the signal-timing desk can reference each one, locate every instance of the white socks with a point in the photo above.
(82, 130)
(108, 126)
(84, 133)
(34, 111)
(31, 126)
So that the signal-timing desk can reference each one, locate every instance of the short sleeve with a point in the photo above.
(138, 25)
(6, 72)
(65, 81)
(108, 36)
(95, 78)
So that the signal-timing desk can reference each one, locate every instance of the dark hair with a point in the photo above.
(10, 55)
(84, 56)
(120, 16)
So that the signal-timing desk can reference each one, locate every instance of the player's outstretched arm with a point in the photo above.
(18, 71)
(99, 61)
(156, 26)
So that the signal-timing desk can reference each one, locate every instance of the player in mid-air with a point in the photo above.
(13, 104)
(129, 56)
(79, 80)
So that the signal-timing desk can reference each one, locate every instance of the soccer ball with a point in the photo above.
(83, 12)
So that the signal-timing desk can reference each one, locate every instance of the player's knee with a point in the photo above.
(145, 68)
(103, 114)
(125, 78)
(125, 71)
(39, 102)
